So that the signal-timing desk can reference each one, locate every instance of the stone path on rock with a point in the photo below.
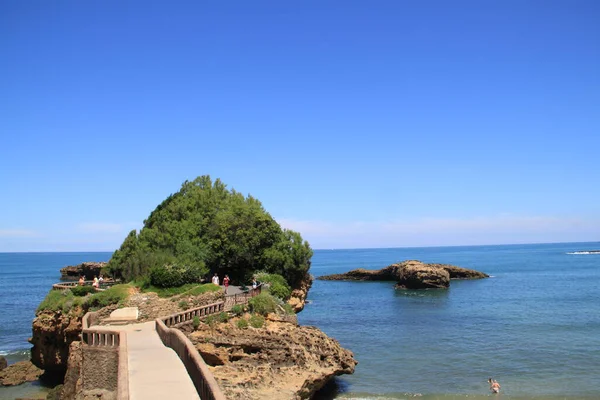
(155, 371)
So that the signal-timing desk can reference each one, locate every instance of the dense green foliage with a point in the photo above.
(190, 289)
(242, 323)
(263, 304)
(257, 321)
(167, 276)
(237, 310)
(196, 322)
(278, 286)
(57, 300)
(115, 295)
(223, 317)
(64, 301)
(207, 228)
(82, 290)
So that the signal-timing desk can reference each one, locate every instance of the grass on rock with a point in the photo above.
(190, 289)
(65, 301)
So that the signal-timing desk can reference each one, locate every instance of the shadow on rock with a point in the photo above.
(331, 390)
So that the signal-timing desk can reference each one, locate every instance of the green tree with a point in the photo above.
(205, 227)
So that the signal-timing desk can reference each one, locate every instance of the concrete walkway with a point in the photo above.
(155, 371)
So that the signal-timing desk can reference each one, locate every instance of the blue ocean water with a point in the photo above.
(534, 325)
(25, 279)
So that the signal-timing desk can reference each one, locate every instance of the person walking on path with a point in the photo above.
(81, 281)
(254, 283)
(215, 279)
(226, 282)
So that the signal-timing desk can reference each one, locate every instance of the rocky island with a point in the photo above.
(255, 350)
(410, 274)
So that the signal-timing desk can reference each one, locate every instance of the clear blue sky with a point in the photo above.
(360, 124)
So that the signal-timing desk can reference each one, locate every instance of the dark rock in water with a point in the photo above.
(19, 372)
(416, 275)
(410, 274)
(361, 274)
(88, 269)
(3, 363)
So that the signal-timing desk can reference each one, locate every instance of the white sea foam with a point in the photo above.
(585, 252)
(14, 352)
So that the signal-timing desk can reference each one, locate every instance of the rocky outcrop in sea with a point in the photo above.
(411, 274)
(88, 269)
(19, 372)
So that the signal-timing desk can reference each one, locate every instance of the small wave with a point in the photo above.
(585, 252)
(19, 352)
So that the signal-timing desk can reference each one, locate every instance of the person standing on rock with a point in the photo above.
(226, 282)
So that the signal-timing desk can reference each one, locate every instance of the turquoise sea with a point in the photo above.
(534, 325)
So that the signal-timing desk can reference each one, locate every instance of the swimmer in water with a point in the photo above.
(494, 385)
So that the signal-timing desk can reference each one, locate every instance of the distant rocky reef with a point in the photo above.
(411, 274)
(88, 269)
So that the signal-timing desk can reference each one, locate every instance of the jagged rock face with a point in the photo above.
(72, 383)
(88, 269)
(19, 372)
(53, 333)
(416, 275)
(298, 296)
(279, 361)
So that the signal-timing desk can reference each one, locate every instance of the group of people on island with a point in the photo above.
(226, 281)
(97, 281)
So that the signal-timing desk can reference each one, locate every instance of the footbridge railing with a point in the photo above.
(241, 298)
(201, 376)
(70, 285)
(203, 379)
(104, 358)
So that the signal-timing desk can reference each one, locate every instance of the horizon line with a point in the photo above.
(325, 249)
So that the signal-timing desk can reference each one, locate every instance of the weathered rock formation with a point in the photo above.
(19, 372)
(416, 275)
(3, 363)
(53, 333)
(88, 269)
(298, 296)
(411, 274)
(72, 381)
(280, 361)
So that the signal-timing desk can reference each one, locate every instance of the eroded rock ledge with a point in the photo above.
(299, 294)
(410, 274)
(88, 269)
(280, 361)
